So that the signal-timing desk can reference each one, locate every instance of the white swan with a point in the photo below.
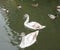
(19, 6)
(52, 16)
(58, 8)
(32, 25)
(35, 5)
(3, 9)
(28, 39)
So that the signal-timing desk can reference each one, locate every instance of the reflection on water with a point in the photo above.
(4, 31)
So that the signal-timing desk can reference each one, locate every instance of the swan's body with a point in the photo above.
(19, 6)
(52, 16)
(32, 25)
(58, 8)
(35, 5)
(29, 39)
(3, 9)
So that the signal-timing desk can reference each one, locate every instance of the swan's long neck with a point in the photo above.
(27, 20)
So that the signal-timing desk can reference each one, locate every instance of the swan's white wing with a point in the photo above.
(30, 36)
(36, 25)
(52, 16)
(29, 39)
(25, 43)
(33, 23)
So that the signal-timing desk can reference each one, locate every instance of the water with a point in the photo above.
(11, 24)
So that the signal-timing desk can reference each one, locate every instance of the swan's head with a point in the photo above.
(26, 15)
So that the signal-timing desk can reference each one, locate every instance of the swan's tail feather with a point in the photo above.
(42, 27)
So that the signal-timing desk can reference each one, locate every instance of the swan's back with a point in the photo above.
(29, 39)
(35, 25)
(31, 34)
(52, 16)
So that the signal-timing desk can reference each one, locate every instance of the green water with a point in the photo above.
(48, 38)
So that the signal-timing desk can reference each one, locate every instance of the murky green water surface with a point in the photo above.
(11, 24)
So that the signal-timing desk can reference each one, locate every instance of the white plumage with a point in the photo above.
(52, 16)
(32, 25)
(29, 39)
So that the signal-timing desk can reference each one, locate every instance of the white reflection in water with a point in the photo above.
(4, 30)
(4, 21)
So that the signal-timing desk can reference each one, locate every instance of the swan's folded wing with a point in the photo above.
(29, 40)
